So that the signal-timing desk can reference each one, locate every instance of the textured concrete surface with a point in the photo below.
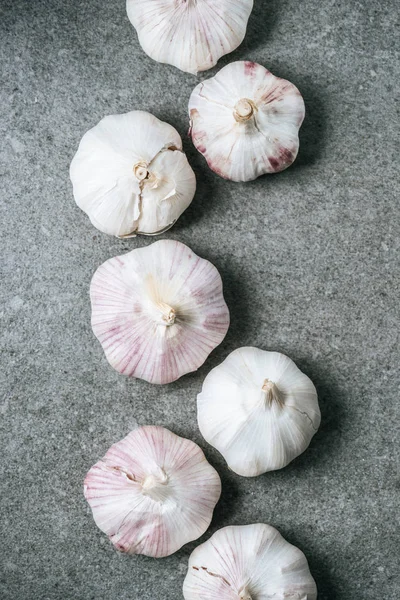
(310, 264)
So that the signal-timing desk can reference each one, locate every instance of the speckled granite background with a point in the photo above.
(310, 264)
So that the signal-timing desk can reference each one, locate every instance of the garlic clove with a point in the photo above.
(245, 121)
(258, 410)
(248, 562)
(192, 35)
(152, 492)
(118, 161)
(158, 311)
(167, 193)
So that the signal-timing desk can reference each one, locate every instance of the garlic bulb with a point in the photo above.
(245, 121)
(249, 562)
(259, 410)
(189, 34)
(152, 492)
(130, 175)
(158, 311)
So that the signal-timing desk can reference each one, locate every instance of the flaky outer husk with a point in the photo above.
(242, 150)
(130, 296)
(106, 187)
(255, 431)
(248, 562)
(139, 519)
(189, 34)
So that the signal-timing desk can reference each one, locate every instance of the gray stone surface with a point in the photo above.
(310, 264)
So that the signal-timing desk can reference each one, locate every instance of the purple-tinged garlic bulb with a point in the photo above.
(192, 35)
(130, 175)
(152, 492)
(158, 311)
(248, 562)
(259, 410)
(245, 121)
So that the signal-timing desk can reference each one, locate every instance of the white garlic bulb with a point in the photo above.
(248, 562)
(130, 175)
(259, 410)
(158, 311)
(189, 34)
(245, 121)
(152, 492)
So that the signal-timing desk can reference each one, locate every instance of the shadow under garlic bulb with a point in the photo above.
(245, 121)
(158, 311)
(248, 562)
(189, 34)
(130, 175)
(152, 492)
(258, 410)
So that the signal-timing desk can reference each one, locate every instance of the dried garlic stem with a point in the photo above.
(244, 110)
(272, 393)
(154, 486)
(168, 314)
(244, 595)
(140, 171)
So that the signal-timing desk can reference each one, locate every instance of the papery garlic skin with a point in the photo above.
(158, 311)
(152, 492)
(258, 410)
(245, 121)
(130, 175)
(192, 35)
(249, 562)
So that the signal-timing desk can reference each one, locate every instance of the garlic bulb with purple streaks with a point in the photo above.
(152, 492)
(245, 121)
(130, 175)
(192, 35)
(259, 410)
(248, 562)
(158, 311)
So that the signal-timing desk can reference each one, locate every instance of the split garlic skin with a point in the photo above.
(245, 121)
(249, 562)
(158, 311)
(258, 410)
(130, 175)
(152, 492)
(191, 35)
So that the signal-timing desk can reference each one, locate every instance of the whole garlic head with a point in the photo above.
(259, 410)
(245, 121)
(130, 175)
(158, 311)
(249, 562)
(152, 492)
(189, 34)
